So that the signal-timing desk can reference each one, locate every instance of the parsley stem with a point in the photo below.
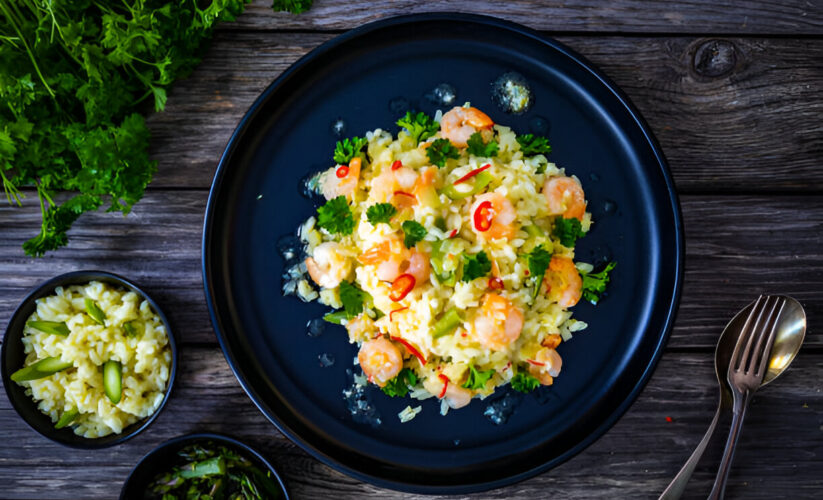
(15, 23)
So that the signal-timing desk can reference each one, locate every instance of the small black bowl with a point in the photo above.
(162, 459)
(12, 357)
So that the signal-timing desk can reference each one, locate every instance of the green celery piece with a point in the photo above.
(94, 311)
(211, 467)
(51, 327)
(113, 380)
(479, 183)
(447, 324)
(534, 231)
(130, 329)
(66, 418)
(437, 254)
(41, 369)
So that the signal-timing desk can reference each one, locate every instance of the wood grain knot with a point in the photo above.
(714, 58)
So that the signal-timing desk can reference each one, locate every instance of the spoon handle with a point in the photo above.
(741, 402)
(678, 484)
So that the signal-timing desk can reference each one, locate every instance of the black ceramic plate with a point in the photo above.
(365, 77)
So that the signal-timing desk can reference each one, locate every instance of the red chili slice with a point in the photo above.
(397, 164)
(446, 381)
(483, 216)
(453, 233)
(401, 287)
(403, 193)
(342, 171)
(391, 314)
(472, 173)
(414, 352)
(495, 283)
(535, 363)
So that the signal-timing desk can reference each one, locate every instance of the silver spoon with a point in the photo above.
(791, 330)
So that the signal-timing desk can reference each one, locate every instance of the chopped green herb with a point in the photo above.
(594, 284)
(352, 298)
(477, 147)
(475, 266)
(293, 6)
(419, 125)
(130, 329)
(523, 382)
(335, 317)
(335, 216)
(380, 212)
(399, 385)
(531, 145)
(94, 311)
(539, 259)
(347, 149)
(414, 232)
(567, 231)
(477, 379)
(440, 151)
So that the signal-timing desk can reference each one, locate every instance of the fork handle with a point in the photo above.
(741, 402)
(678, 485)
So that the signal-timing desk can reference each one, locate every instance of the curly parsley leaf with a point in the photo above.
(523, 382)
(352, 298)
(477, 379)
(419, 125)
(335, 216)
(380, 212)
(293, 6)
(347, 149)
(475, 266)
(567, 231)
(414, 232)
(399, 385)
(538, 260)
(477, 147)
(531, 145)
(441, 150)
(594, 284)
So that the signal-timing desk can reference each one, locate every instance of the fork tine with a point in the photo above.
(765, 350)
(746, 333)
(760, 330)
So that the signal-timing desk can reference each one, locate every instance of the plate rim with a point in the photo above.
(516, 29)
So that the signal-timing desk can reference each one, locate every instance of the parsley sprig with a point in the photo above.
(347, 149)
(380, 212)
(413, 231)
(477, 147)
(400, 384)
(523, 382)
(441, 150)
(475, 266)
(352, 299)
(594, 284)
(293, 6)
(335, 216)
(531, 145)
(538, 260)
(420, 126)
(477, 379)
(567, 231)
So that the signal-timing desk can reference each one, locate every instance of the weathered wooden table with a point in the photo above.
(734, 92)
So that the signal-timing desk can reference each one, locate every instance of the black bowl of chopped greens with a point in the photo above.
(203, 466)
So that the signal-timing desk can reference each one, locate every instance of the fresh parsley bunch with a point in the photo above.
(76, 78)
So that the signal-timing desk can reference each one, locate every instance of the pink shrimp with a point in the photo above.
(493, 216)
(563, 281)
(498, 322)
(327, 266)
(380, 360)
(546, 365)
(391, 259)
(458, 124)
(564, 196)
(341, 180)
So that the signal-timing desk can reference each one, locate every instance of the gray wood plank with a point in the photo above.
(635, 459)
(736, 248)
(630, 16)
(744, 120)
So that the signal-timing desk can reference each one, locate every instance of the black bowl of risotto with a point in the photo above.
(211, 464)
(88, 359)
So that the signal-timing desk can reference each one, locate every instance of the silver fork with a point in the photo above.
(747, 368)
